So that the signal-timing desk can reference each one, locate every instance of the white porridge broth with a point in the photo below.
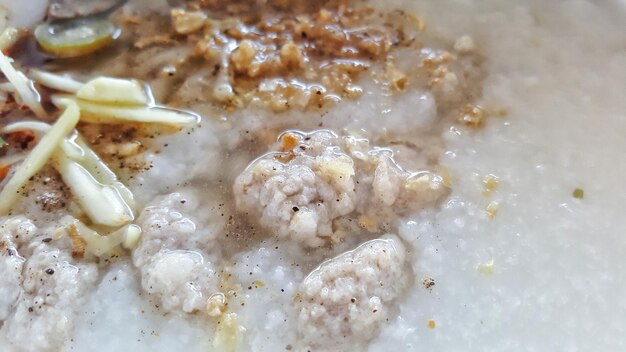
(284, 175)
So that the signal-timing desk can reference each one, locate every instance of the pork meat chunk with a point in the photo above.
(176, 253)
(318, 188)
(344, 302)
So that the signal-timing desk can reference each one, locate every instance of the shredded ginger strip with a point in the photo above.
(101, 113)
(63, 83)
(23, 86)
(38, 157)
(105, 200)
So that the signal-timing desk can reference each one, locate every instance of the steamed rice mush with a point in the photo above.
(336, 175)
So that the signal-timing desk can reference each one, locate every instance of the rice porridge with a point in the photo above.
(283, 175)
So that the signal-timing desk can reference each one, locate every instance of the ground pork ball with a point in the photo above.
(176, 254)
(11, 263)
(344, 302)
(47, 286)
(53, 289)
(317, 188)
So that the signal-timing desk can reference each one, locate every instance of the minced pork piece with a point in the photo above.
(175, 255)
(311, 184)
(343, 302)
(11, 263)
(42, 285)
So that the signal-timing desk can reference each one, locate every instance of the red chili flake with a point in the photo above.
(4, 171)
(20, 139)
